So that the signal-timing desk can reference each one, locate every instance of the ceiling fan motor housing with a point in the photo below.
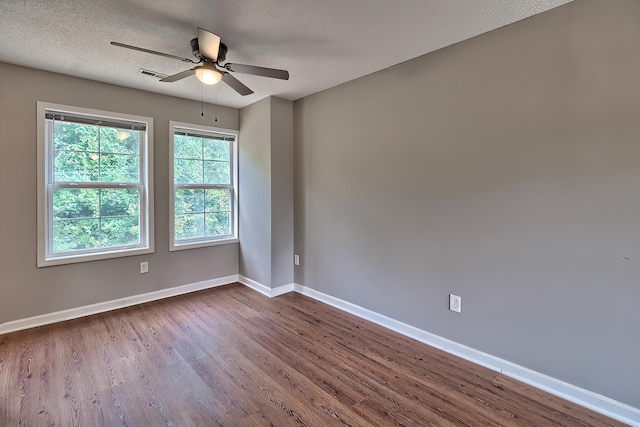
(222, 52)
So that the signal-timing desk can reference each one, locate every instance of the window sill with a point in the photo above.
(72, 259)
(194, 245)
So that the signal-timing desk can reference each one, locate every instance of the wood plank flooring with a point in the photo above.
(232, 357)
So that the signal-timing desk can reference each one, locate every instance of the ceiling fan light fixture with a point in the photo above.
(208, 75)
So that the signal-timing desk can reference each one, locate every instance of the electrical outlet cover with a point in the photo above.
(455, 303)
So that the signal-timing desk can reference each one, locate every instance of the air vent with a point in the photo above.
(152, 73)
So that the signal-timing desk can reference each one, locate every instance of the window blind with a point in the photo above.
(201, 134)
(95, 121)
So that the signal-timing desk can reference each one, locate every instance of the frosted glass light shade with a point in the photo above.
(208, 76)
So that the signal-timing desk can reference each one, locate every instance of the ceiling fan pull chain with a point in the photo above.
(215, 103)
(202, 100)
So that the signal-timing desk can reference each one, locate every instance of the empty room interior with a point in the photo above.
(328, 213)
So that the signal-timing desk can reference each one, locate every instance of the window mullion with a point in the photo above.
(100, 217)
(202, 154)
(99, 156)
(203, 186)
(96, 185)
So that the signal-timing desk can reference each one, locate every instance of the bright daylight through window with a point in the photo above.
(95, 196)
(204, 196)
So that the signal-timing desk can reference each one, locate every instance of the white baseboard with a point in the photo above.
(596, 402)
(101, 307)
(281, 290)
(265, 290)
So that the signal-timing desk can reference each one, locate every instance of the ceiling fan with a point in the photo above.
(210, 52)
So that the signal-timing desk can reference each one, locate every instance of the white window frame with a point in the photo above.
(46, 257)
(175, 245)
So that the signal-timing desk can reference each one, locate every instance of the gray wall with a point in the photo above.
(281, 191)
(254, 149)
(266, 196)
(504, 169)
(26, 290)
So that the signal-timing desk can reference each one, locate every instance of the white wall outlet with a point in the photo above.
(296, 259)
(144, 267)
(455, 303)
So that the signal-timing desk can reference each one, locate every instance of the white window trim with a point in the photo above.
(173, 244)
(44, 206)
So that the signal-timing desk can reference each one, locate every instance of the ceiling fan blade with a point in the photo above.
(236, 84)
(208, 43)
(258, 71)
(141, 49)
(179, 76)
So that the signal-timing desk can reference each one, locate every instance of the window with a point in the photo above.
(204, 198)
(95, 195)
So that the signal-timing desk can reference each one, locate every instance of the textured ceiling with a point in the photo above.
(322, 43)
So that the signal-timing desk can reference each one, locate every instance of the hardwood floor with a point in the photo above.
(232, 357)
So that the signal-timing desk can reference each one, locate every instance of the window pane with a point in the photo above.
(217, 150)
(217, 172)
(119, 202)
(75, 234)
(218, 200)
(188, 171)
(111, 143)
(71, 136)
(93, 185)
(120, 231)
(75, 203)
(189, 201)
(76, 166)
(189, 226)
(204, 160)
(218, 224)
(119, 168)
(187, 147)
